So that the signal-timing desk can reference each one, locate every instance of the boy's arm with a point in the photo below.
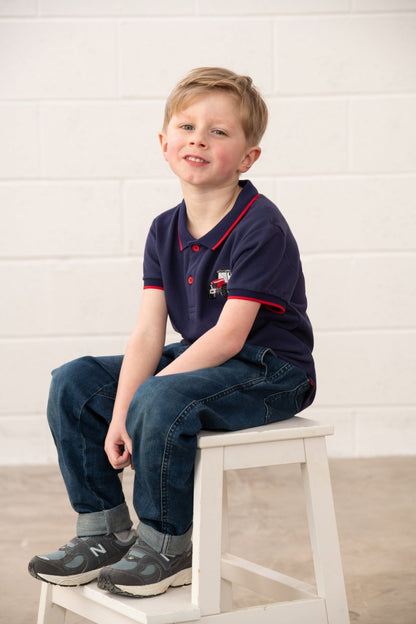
(142, 356)
(221, 342)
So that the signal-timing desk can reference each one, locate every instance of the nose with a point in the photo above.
(197, 138)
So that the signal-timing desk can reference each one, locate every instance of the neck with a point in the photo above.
(204, 209)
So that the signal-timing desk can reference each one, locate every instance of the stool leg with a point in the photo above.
(49, 613)
(323, 531)
(226, 586)
(206, 563)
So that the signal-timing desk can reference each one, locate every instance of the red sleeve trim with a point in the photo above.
(268, 304)
(155, 287)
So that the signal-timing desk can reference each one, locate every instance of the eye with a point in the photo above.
(187, 127)
(219, 132)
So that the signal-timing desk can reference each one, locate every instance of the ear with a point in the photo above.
(249, 159)
(163, 143)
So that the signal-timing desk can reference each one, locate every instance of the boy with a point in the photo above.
(225, 267)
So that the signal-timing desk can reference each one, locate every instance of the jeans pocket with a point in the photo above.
(286, 403)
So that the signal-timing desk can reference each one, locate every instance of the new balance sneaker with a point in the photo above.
(80, 561)
(145, 572)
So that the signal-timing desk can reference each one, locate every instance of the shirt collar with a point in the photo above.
(215, 237)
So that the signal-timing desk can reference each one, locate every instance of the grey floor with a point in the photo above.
(375, 502)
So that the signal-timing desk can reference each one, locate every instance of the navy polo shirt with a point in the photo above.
(250, 254)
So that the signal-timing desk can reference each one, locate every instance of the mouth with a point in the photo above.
(195, 159)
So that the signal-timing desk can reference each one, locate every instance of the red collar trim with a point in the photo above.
(235, 223)
(180, 242)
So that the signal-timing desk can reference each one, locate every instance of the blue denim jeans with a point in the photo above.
(164, 418)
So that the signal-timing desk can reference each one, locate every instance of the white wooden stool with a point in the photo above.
(214, 569)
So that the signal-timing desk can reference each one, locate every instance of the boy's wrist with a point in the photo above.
(119, 417)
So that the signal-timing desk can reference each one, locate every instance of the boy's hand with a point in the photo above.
(118, 447)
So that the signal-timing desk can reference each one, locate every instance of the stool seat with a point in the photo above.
(292, 429)
(214, 569)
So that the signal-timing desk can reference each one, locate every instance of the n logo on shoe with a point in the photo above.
(98, 550)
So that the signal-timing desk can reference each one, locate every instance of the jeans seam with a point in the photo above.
(293, 391)
(281, 371)
(168, 443)
(96, 393)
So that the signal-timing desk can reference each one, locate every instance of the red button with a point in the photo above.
(195, 247)
(190, 280)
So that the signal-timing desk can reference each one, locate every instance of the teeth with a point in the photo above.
(194, 159)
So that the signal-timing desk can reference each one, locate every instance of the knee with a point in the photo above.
(162, 408)
(67, 382)
(151, 411)
(67, 374)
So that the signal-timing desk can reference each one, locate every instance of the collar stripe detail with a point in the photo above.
(180, 242)
(235, 222)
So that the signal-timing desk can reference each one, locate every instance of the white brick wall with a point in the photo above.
(82, 89)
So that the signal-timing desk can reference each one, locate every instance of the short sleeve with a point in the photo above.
(152, 274)
(266, 267)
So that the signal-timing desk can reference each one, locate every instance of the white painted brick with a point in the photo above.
(383, 5)
(358, 292)
(350, 213)
(66, 59)
(270, 7)
(26, 365)
(116, 7)
(386, 431)
(93, 8)
(98, 298)
(382, 287)
(305, 136)
(72, 297)
(328, 287)
(25, 305)
(368, 431)
(176, 47)
(161, 8)
(365, 369)
(19, 144)
(102, 140)
(60, 219)
(33, 447)
(142, 202)
(18, 8)
(346, 54)
(383, 134)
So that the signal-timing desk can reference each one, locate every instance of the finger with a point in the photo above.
(128, 445)
(117, 458)
(121, 462)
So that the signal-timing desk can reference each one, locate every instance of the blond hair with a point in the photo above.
(201, 80)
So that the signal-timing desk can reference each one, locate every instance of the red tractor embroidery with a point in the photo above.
(219, 285)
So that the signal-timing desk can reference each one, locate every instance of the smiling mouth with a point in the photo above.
(195, 159)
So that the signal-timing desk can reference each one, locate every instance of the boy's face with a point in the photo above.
(205, 144)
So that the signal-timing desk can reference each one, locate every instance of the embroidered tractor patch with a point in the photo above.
(219, 285)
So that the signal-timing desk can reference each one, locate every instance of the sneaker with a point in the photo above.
(145, 572)
(80, 561)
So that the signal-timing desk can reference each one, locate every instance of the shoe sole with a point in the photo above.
(184, 577)
(67, 581)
